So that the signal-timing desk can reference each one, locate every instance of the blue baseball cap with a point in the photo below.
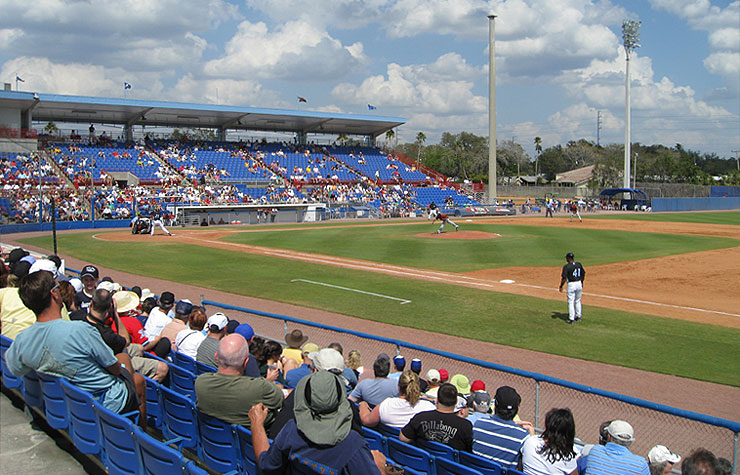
(245, 330)
(400, 362)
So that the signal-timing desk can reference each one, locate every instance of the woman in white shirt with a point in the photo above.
(553, 452)
(187, 341)
(397, 411)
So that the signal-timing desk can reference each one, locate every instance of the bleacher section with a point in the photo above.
(21, 169)
(447, 197)
(79, 161)
(376, 165)
(305, 165)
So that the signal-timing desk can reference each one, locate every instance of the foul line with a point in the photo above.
(403, 301)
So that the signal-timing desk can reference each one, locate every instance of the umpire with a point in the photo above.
(574, 274)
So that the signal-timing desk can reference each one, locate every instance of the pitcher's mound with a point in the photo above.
(462, 234)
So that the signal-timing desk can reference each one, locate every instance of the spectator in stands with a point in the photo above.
(725, 466)
(354, 362)
(499, 438)
(442, 425)
(553, 452)
(228, 394)
(416, 368)
(444, 376)
(700, 462)
(479, 403)
(603, 439)
(399, 364)
(321, 431)
(74, 350)
(159, 315)
(348, 374)
(89, 277)
(433, 383)
(177, 324)
(397, 411)
(216, 326)
(376, 390)
(293, 376)
(271, 357)
(661, 460)
(126, 303)
(615, 456)
(295, 340)
(187, 341)
(462, 383)
(247, 332)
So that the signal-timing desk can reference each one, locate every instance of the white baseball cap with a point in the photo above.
(621, 431)
(660, 454)
(218, 320)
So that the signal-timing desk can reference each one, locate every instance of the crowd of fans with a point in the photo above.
(306, 399)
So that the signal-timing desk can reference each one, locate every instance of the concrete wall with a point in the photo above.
(695, 204)
(10, 118)
(18, 145)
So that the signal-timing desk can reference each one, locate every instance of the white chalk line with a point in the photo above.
(431, 275)
(403, 301)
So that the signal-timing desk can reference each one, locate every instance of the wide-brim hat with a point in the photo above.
(295, 339)
(322, 410)
(126, 301)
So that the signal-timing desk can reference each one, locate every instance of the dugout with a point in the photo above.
(195, 215)
(631, 197)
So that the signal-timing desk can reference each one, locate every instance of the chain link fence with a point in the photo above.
(653, 423)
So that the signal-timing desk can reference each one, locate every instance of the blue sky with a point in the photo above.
(558, 61)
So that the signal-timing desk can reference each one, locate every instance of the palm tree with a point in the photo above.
(420, 139)
(538, 149)
(389, 137)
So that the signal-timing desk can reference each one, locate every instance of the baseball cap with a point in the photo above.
(105, 285)
(16, 255)
(167, 299)
(507, 397)
(76, 283)
(146, 293)
(90, 270)
(399, 362)
(462, 383)
(327, 359)
(43, 264)
(433, 375)
(231, 327)
(660, 454)
(245, 330)
(621, 430)
(184, 307)
(416, 365)
(478, 385)
(443, 375)
(570, 255)
(480, 401)
(217, 320)
(309, 348)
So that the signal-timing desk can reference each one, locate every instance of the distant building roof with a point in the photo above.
(579, 176)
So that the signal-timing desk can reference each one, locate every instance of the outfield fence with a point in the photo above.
(682, 431)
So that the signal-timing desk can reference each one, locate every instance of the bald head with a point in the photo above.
(233, 351)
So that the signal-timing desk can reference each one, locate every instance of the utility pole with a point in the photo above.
(598, 128)
(631, 37)
(491, 109)
(737, 157)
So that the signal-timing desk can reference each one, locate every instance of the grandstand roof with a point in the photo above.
(109, 110)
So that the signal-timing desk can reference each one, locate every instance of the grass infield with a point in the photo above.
(609, 336)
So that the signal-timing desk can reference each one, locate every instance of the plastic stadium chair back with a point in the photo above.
(375, 440)
(119, 444)
(182, 381)
(153, 403)
(388, 431)
(514, 472)
(246, 450)
(83, 421)
(156, 458)
(55, 406)
(179, 418)
(218, 448)
(32, 393)
(448, 467)
(183, 361)
(410, 456)
(438, 450)
(203, 368)
(482, 464)
(10, 380)
(304, 466)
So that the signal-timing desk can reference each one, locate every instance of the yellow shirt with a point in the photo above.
(294, 353)
(15, 316)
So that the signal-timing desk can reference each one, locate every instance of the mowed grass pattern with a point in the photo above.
(644, 342)
(706, 217)
(518, 246)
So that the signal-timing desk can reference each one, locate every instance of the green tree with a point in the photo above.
(609, 167)
(514, 160)
(51, 128)
(538, 151)
(420, 139)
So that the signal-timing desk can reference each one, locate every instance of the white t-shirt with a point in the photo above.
(534, 463)
(397, 412)
(156, 321)
(188, 341)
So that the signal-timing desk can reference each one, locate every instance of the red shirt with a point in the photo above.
(135, 329)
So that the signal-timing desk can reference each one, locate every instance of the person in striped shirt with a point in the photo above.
(615, 456)
(499, 438)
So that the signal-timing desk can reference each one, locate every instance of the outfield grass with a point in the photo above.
(705, 217)
(609, 336)
(519, 246)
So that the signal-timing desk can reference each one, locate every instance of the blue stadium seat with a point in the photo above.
(182, 381)
(482, 464)
(388, 431)
(448, 467)
(10, 380)
(55, 406)
(119, 444)
(514, 472)
(375, 440)
(179, 418)
(201, 368)
(32, 393)
(156, 458)
(154, 414)
(83, 421)
(218, 448)
(438, 450)
(410, 456)
(246, 450)
(184, 361)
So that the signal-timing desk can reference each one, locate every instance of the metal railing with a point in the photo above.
(682, 431)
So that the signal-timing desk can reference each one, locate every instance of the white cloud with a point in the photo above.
(296, 51)
(8, 36)
(341, 14)
(222, 91)
(724, 64)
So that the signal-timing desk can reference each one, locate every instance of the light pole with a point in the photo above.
(631, 38)
(491, 108)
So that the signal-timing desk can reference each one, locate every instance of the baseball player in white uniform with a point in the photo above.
(573, 274)
(157, 221)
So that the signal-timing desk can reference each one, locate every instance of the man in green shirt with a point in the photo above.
(227, 394)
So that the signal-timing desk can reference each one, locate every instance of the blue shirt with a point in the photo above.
(375, 390)
(294, 375)
(499, 440)
(350, 456)
(73, 350)
(614, 458)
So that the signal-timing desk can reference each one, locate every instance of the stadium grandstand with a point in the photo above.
(130, 162)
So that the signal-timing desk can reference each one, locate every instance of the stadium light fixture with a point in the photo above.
(631, 40)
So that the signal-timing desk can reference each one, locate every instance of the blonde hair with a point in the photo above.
(354, 360)
(408, 386)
